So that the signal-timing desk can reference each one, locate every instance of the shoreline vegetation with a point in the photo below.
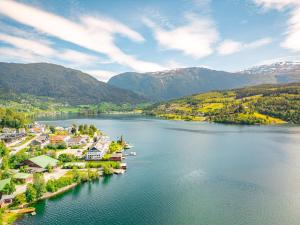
(255, 105)
(32, 107)
(258, 105)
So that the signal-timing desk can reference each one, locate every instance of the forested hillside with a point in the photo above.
(62, 84)
(264, 104)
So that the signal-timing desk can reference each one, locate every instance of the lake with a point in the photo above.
(187, 173)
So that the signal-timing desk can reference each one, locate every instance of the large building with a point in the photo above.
(99, 149)
(94, 154)
(39, 163)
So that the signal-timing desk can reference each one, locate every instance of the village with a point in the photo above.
(40, 161)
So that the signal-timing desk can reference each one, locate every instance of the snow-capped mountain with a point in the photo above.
(286, 67)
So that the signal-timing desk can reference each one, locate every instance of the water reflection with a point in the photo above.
(247, 131)
(106, 180)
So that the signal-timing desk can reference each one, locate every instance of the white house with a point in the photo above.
(94, 154)
(99, 149)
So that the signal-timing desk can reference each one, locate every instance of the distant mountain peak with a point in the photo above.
(175, 83)
(277, 67)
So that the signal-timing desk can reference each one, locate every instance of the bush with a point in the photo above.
(107, 170)
(30, 194)
(115, 146)
(49, 168)
(51, 185)
(9, 188)
(59, 146)
(20, 199)
(115, 165)
(39, 184)
(67, 158)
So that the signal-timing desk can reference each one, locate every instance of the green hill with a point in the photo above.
(264, 104)
(62, 84)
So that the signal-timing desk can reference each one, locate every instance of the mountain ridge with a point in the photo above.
(61, 83)
(171, 84)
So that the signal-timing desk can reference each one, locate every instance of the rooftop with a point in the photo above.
(4, 182)
(43, 161)
(58, 137)
(21, 175)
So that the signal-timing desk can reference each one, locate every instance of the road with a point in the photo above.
(16, 149)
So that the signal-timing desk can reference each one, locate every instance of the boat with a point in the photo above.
(132, 153)
(127, 146)
(119, 171)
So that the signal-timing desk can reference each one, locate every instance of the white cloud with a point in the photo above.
(17, 55)
(292, 40)
(277, 4)
(111, 26)
(39, 48)
(36, 47)
(258, 43)
(195, 38)
(76, 57)
(292, 33)
(101, 75)
(91, 33)
(228, 47)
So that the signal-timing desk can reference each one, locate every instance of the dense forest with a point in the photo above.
(13, 119)
(263, 104)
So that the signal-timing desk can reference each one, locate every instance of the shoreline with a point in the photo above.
(16, 214)
(62, 190)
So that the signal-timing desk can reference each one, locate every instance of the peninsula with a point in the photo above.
(40, 161)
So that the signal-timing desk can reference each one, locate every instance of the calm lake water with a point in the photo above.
(188, 173)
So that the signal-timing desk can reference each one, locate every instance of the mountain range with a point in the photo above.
(75, 87)
(171, 84)
(63, 84)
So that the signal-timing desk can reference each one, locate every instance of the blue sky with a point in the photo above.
(105, 38)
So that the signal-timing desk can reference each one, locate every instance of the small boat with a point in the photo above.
(127, 146)
(119, 171)
(132, 153)
(33, 213)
